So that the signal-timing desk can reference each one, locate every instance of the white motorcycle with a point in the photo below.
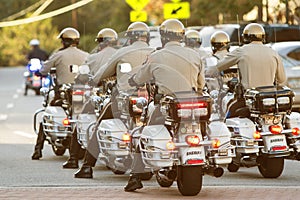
(54, 120)
(261, 129)
(179, 146)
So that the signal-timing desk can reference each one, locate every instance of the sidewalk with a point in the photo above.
(150, 193)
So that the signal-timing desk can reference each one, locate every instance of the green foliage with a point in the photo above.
(17, 38)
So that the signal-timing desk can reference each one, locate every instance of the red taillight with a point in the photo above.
(256, 135)
(66, 122)
(192, 105)
(194, 161)
(275, 129)
(192, 140)
(279, 148)
(126, 137)
(78, 92)
(170, 145)
(295, 131)
(216, 143)
(133, 101)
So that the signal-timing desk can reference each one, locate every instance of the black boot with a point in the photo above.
(84, 172)
(71, 163)
(134, 183)
(37, 154)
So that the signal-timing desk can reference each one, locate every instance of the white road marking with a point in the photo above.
(24, 134)
(9, 105)
(3, 117)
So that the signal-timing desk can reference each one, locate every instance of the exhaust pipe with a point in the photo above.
(214, 171)
(248, 162)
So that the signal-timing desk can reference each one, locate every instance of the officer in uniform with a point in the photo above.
(107, 40)
(135, 54)
(173, 68)
(258, 65)
(61, 60)
(36, 51)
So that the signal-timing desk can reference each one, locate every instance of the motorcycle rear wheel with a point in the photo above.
(59, 151)
(271, 167)
(189, 180)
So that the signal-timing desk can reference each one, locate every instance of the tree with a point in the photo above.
(16, 45)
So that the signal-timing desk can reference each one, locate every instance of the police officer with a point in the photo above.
(193, 40)
(107, 39)
(258, 65)
(61, 60)
(36, 51)
(136, 53)
(173, 68)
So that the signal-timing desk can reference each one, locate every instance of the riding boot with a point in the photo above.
(37, 154)
(86, 170)
(134, 183)
(72, 162)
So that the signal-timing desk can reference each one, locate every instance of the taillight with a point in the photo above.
(192, 140)
(279, 148)
(295, 131)
(185, 109)
(170, 145)
(133, 101)
(256, 135)
(66, 122)
(78, 92)
(126, 137)
(275, 129)
(216, 143)
(194, 161)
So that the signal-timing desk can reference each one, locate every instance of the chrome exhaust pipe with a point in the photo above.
(168, 174)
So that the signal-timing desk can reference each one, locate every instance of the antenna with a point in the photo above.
(238, 22)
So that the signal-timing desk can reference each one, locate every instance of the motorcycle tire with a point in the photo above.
(233, 167)
(271, 167)
(25, 90)
(58, 151)
(163, 182)
(189, 180)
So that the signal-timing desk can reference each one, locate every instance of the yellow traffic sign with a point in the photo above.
(179, 10)
(138, 16)
(137, 4)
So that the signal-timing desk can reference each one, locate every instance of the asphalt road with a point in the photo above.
(23, 178)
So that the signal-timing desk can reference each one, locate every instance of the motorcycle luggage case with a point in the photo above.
(266, 99)
(186, 98)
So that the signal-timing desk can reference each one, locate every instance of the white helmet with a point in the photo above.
(34, 42)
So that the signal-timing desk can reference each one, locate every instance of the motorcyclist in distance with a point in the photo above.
(173, 68)
(107, 39)
(258, 65)
(36, 51)
(136, 53)
(61, 60)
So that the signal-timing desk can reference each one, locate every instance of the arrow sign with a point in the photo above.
(179, 10)
(137, 4)
(138, 16)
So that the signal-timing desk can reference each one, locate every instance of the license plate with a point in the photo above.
(223, 152)
(77, 98)
(275, 143)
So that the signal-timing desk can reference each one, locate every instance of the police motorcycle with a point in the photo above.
(54, 119)
(114, 134)
(263, 128)
(177, 145)
(33, 81)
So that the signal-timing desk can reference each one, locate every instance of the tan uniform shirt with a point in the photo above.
(135, 54)
(259, 65)
(173, 68)
(62, 60)
(96, 60)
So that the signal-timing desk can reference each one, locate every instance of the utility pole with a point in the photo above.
(287, 17)
(74, 16)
